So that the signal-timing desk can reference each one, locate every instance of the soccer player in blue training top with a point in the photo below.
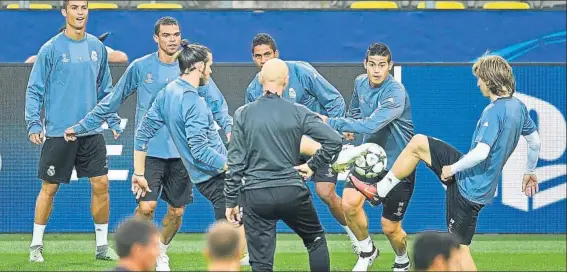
(380, 110)
(191, 125)
(307, 87)
(472, 179)
(164, 168)
(70, 75)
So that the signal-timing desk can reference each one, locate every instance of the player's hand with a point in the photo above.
(37, 139)
(70, 134)
(304, 171)
(116, 133)
(322, 117)
(225, 167)
(228, 136)
(233, 215)
(530, 185)
(446, 173)
(139, 186)
(348, 136)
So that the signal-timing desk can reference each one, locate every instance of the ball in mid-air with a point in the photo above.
(371, 163)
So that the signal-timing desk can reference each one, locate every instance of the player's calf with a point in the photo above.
(399, 241)
(319, 260)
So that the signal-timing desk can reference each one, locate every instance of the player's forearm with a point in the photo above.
(204, 153)
(472, 158)
(534, 146)
(139, 162)
(330, 145)
(34, 101)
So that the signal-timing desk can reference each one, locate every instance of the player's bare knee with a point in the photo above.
(147, 208)
(352, 202)
(176, 212)
(419, 145)
(99, 184)
(391, 228)
(49, 189)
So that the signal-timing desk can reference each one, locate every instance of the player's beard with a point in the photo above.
(203, 80)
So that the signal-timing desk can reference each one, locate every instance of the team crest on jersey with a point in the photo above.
(292, 93)
(167, 80)
(51, 171)
(149, 78)
(64, 58)
(94, 56)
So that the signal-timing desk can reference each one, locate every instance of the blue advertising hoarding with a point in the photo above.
(316, 35)
(445, 104)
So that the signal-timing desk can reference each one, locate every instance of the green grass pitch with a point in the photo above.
(75, 252)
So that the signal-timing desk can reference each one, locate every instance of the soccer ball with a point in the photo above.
(371, 163)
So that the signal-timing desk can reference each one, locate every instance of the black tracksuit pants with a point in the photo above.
(262, 208)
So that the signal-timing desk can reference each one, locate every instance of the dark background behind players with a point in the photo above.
(263, 152)
(137, 245)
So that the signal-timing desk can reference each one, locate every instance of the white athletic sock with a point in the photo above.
(402, 259)
(101, 233)
(162, 247)
(350, 235)
(37, 237)
(387, 184)
(365, 245)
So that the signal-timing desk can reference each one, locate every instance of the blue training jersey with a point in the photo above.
(500, 126)
(381, 114)
(191, 125)
(307, 87)
(68, 78)
(147, 76)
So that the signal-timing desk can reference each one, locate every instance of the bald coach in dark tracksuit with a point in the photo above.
(262, 161)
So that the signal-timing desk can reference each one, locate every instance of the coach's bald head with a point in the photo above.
(223, 247)
(274, 76)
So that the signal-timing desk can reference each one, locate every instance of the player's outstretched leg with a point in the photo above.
(417, 150)
(43, 207)
(100, 209)
(325, 186)
(357, 221)
(145, 210)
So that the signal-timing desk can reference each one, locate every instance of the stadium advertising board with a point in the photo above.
(341, 36)
(445, 104)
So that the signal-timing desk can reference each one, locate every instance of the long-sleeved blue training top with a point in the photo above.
(307, 87)
(68, 78)
(382, 114)
(191, 125)
(147, 76)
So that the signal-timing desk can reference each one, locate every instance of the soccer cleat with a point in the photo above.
(245, 261)
(162, 263)
(365, 259)
(368, 190)
(106, 253)
(36, 254)
(401, 267)
(348, 155)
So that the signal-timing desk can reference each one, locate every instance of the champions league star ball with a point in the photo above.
(371, 163)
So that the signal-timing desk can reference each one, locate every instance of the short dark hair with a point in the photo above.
(264, 39)
(223, 242)
(66, 4)
(379, 49)
(429, 245)
(191, 54)
(165, 21)
(131, 232)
